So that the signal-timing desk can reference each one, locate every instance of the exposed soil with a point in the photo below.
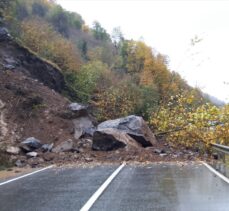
(32, 109)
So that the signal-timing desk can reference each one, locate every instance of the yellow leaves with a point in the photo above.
(117, 101)
(40, 37)
(205, 123)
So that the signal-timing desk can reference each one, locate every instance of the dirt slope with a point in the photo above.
(30, 102)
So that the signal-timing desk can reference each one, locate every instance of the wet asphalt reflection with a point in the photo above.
(153, 187)
(166, 187)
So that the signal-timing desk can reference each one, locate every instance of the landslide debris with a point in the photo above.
(39, 126)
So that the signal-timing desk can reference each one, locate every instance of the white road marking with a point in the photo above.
(216, 173)
(102, 188)
(26, 175)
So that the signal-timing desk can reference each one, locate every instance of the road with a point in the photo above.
(159, 187)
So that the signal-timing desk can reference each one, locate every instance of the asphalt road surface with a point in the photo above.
(159, 187)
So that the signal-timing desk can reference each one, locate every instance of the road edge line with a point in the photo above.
(221, 176)
(26, 175)
(101, 189)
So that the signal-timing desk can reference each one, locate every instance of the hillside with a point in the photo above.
(52, 58)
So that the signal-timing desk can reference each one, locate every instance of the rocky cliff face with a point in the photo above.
(17, 58)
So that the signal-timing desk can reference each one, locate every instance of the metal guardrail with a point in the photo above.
(221, 148)
(221, 158)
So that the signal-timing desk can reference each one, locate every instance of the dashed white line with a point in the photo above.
(102, 188)
(216, 173)
(26, 175)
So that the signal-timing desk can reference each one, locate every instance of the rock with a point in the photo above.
(13, 150)
(83, 126)
(88, 159)
(88, 132)
(111, 139)
(30, 144)
(84, 143)
(158, 151)
(49, 156)
(75, 110)
(31, 154)
(215, 156)
(10, 63)
(134, 126)
(34, 161)
(9, 66)
(163, 154)
(65, 146)
(19, 164)
(76, 107)
(47, 147)
(4, 34)
(163, 151)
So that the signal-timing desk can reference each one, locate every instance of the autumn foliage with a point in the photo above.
(41, 38)
(186, 124)
(117, 76)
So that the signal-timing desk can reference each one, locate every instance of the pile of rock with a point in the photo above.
(129, 132)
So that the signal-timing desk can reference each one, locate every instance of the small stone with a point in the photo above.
(163, 154)
(19, 163)
(65, 146)
(158, 151)
(87, 159)
(48, 156)
(4, 34)
(31, 154)
(34, 161)
(13, 150)
(9, 66)
(163, 151)
(215, 156)
(47, 147)
(77, 107)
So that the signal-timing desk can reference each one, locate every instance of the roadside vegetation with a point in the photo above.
(118, 77)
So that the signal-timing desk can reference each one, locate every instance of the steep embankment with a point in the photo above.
(30, 102)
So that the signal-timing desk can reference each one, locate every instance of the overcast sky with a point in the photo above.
(168, 27)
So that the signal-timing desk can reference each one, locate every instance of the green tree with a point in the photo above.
(99, 32)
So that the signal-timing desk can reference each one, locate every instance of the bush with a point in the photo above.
(87, 80)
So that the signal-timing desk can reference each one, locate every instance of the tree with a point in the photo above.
(59, 19)
(39, 36)
(39, 9)
(117, 36)
(99, 32)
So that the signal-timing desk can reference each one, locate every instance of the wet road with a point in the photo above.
(153, 187)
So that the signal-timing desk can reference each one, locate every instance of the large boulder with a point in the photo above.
(83, 126)
(134, 126)
(111, 139)
(83, 122)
